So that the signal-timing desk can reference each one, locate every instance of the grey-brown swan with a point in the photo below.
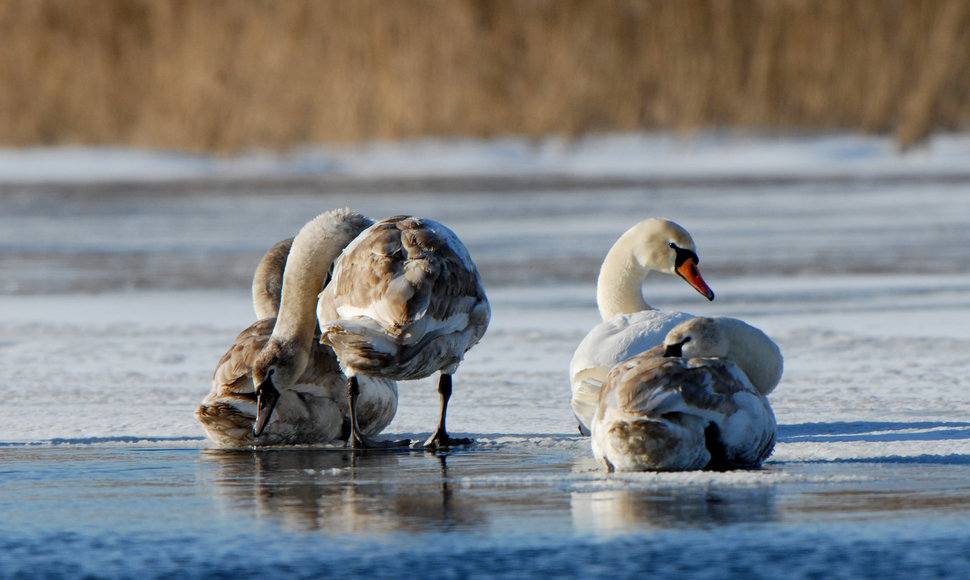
(695, 402)
(629, 325)
(314, 410)
(406, 301)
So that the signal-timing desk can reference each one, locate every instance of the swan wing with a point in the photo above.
(707, 400)
(313, 410)
(608, 343)
(402, 272)
(653, 386)
(405, 300)
(644, 421)
(748, 431)
(234, 370)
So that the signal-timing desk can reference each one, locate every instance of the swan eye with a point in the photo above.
(683, 255)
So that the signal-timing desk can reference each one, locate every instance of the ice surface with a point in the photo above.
(715, 155)
(116, 301)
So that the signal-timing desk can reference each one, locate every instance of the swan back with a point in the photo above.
(673, 413)
(750, 348)
(405, 300)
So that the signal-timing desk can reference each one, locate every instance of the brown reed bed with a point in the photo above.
(228, 75)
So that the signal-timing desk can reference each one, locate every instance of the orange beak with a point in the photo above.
(689, 272)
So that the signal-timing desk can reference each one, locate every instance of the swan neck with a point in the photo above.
(264, 303)
(619, 288)
(268, 281)
(302, 280)
(312, 254)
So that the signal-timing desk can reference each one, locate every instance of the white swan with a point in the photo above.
(406, 301)
(662, 411)
(630, 325)
(314, 409)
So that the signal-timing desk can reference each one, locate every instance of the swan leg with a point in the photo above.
(357, 439)
(441, 437)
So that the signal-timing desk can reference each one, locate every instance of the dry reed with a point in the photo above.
(226, 75)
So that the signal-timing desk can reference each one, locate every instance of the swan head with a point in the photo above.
(276, 368)
(697, 338)
(750, 348)
(662, 245)
(653, 244)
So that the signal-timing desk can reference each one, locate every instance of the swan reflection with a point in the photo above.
(340, 491)
(623, 511)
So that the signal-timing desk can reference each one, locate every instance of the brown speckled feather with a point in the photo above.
(638, 382)
(410, 270)
(317, 413)
(313, 408)
(405, 301)
(664, 413)
(234, 371)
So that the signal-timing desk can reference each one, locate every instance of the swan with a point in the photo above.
(315, 409)
(629, 324)
(679, 406)
(405, 301)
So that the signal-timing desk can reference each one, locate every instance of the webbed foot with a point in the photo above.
(443, 440)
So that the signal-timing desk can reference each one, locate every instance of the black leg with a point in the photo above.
(357, 439)
(440, 437)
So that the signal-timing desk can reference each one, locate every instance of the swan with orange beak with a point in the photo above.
(629, 325)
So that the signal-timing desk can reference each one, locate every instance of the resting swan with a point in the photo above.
(677, 407)
(406, 301)
(315, 409)
(630, 325)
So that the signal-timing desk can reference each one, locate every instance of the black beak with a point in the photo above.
(674, 350)
(266, 397)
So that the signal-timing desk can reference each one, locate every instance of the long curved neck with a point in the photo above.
(306, 270)
(757, 355)
(314, 250)
(619, 288)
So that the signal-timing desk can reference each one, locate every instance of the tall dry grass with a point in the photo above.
(225, 75)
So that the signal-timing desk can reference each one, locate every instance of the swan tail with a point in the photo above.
(227, 422)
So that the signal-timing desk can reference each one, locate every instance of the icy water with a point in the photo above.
(310, 513)
(116, 302)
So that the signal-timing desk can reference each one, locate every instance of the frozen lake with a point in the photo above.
(117, 299)
(506, 511)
